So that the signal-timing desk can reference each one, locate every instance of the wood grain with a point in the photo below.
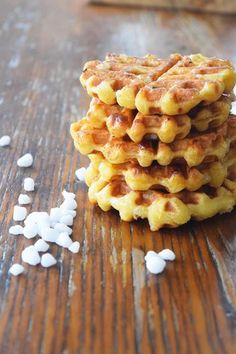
(216, 6)
(101, 301)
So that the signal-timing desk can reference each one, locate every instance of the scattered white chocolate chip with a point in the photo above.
(5, 140)
(16, 230)
(25, 160)
(16, 269)
(52, 228)
(68, 194)
(167, 255)
(29, 184)
(74, 247)
(24, 199)
(69, 204)
(19, 213)
(80, 174)
(149, 255)
(40, 218)
(30, 255)
(48, 260)
(49, 234)
(64, 240)
(41, 245)
(30, 230)
(67, 220)
(155, 264)
(55, 215)
(63, 228)
(37, 217)
(31, 217)
(68, 212)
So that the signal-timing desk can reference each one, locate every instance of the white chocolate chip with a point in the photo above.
(19, 213)
(167, 255)
(5, 141)
(24, 199)
(29, 184)
(25, 160)
(16, 269)
(48, 260)
(74, 247)
(30, 255)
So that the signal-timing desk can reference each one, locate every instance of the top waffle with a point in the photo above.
(165, 86)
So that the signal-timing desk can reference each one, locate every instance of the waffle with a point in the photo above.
(192, 80)
(163, 209)
(194, 150)
(122, 121)
(120, 72)
(213, 115)
(172, 178)
(173, 86)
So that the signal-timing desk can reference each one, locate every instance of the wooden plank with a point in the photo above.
(217, 6)
(101, 300)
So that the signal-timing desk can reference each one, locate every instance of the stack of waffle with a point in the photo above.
(160, 137)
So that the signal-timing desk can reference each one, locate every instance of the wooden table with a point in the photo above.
(101, 301)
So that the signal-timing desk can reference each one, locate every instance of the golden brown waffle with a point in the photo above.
(194, 150)
(172, 178)
(172, 86)
(163, 209)
(123, 121)
(212, 115)
(192, 80)
(118, 71)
